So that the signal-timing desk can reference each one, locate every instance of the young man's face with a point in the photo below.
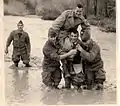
(53, 40)
(74, 37)
(85, 37)
(78, 12)
(20, 26)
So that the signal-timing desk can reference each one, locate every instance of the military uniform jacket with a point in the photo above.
(92, 57)
(21, 41)
(66, 21)
(51, 57)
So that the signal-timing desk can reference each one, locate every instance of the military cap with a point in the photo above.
(20, 22)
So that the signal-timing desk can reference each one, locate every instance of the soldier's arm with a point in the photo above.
(28, 43)
(59, 22)
(85, 24)
(52, 54)
(9, 40)
(90, 56)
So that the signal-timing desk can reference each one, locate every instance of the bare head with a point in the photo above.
(74, 36)
(52, 38)
(85, 36)
(78, 10)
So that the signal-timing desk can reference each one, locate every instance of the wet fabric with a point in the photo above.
(74, 80)
(20, 55)
(21, 46)
(93, 64)
(92, 57)
(51, 57)
(78, 79)
(96, 75)
(51, 76)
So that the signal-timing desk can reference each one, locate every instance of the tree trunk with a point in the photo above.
(106, 9)
(95, 7)
(87, 8)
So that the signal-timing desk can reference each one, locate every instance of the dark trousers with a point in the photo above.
(51, 76)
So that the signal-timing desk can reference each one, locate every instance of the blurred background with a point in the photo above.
(98, 12)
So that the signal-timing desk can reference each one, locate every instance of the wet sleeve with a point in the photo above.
(28, 43)
(59, 22)
(55, 56)
(10, 38)
(90, 56)
(51, 53)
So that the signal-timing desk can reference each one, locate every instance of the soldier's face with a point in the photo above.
(78, 12)
(84, 37)
(20, 27)
(53, 40)
(74, 37)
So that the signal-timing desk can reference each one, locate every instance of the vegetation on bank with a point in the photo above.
(101, 13)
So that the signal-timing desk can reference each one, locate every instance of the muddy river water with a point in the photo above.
(24, 85)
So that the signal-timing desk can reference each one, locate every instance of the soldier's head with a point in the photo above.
(74, 36)
(20, 25)
(86, 36)
(78, 10)
(52, 36)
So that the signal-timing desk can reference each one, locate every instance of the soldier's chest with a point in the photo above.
(72, 22)
(19, 38)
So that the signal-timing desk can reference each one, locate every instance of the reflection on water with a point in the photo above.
(72, 97)
(24, 85)
(20, 84)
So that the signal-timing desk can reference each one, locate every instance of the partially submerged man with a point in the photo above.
(51, 75)
(21, 45)
(93, 64)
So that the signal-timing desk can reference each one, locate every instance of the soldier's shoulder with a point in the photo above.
(46, 45)
(68, 11)
(25, 33)
(14, 31)
(96, 44)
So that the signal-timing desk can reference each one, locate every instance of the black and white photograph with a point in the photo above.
(59, 52)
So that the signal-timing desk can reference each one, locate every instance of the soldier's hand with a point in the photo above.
(73, 52)
(79, 48)
(6, 51)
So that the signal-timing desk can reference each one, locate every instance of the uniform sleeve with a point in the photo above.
(51, 53)
(59, 22)
(28, 43)
(55, 56)
(91, 55)
(10, 38)
(85, 24)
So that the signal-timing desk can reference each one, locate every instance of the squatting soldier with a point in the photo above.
(67, 21)
(93, 63)
(51, 75)
(21, 45)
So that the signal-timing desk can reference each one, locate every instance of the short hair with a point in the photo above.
(52, 33)
(75, 32)
(79, 5)
(87, 35)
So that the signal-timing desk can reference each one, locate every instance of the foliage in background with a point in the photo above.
(99, 12)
